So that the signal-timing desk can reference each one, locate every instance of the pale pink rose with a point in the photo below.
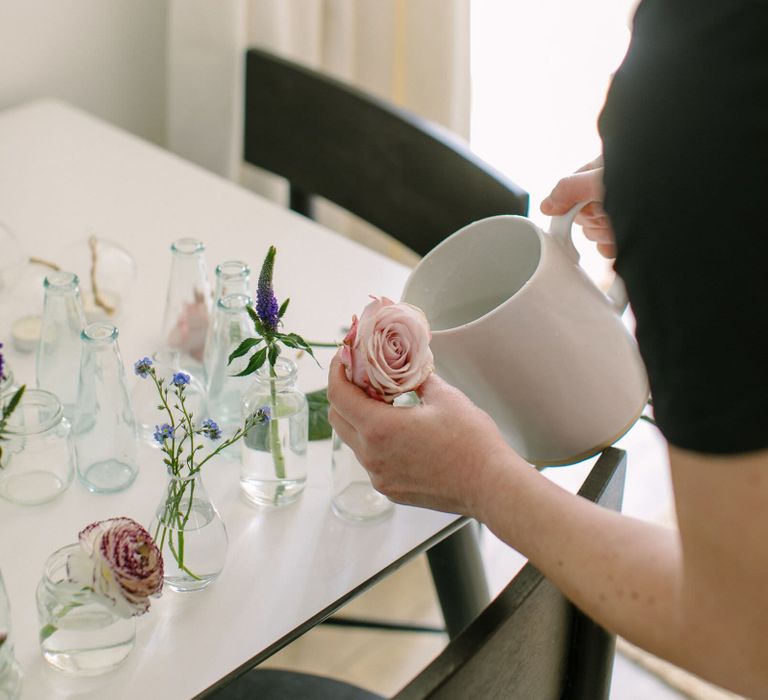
(121, 563)
(386, 352)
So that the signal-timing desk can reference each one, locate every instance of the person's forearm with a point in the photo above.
(624, 573)
(631, 577)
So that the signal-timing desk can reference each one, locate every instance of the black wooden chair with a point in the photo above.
(404, 175)
(530, 643)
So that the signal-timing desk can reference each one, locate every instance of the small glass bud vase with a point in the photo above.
(10, 675)
(37, 461)
(232, 277)
(104, 426)
(231, 325)
(188, 303)
(354, 498)
(78, 632)
(58, 351)
(273, 468)
(190, 533)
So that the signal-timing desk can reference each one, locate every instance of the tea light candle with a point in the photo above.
(25, 333)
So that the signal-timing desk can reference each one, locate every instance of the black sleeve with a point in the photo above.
(685, 142)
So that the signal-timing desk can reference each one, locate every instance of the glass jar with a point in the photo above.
(354, 498)
(58, 352)
(104, 427)
(10, 675)
(78, 632)
(273, 453)
(37, 463)
(190, 533)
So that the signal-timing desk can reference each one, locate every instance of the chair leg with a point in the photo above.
(300, 201)
(459, 577)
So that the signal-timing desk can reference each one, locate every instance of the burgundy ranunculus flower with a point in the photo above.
(119, 560)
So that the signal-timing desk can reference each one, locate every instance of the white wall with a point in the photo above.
(105, 56)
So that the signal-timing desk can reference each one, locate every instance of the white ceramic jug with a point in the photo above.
(520, 328)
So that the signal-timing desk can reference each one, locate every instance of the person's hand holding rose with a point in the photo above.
(439, 454)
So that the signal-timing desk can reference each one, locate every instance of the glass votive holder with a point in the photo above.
(37, 464)
(354, 498)
(78, 633)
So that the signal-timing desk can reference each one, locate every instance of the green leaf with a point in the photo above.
(293, 340)
(46, 632)
(258, 325)
(288, 342)
(274, 351)
(283, 307)
(243, 348)
(319, 427)
(11, 407)
(254, 363)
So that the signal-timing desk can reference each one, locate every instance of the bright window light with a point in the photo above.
(540, 70)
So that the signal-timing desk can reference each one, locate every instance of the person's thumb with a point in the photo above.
(579, 187)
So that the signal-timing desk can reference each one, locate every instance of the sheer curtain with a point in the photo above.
(413, 52)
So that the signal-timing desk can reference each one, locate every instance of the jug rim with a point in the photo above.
(543, 255)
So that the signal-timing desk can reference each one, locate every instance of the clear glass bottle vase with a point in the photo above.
(104, 427)
(190, 533)
(59, 348)
(78, 633)
(188, 303)
(230, 326)
(354, 498)
(273, 453)
(10, 675)
(232, 277)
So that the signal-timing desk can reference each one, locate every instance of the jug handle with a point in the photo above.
(560, 229)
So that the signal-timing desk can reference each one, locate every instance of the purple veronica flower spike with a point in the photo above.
(267, 307)
(141, 367)
(2, 365)
(180, 379)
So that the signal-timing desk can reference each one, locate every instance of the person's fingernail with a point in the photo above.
(545, 206)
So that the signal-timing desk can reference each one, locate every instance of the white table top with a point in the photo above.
(65, 175)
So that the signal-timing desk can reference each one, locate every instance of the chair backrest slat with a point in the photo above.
(405, 175)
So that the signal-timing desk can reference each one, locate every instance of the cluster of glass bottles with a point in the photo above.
(82, 420)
